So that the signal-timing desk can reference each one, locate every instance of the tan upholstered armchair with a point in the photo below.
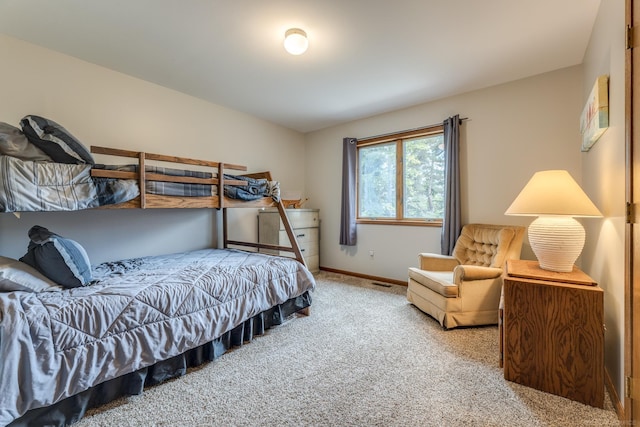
(464, 289)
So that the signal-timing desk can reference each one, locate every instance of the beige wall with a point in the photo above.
(603, 179)
(103, 107)
(513, 130)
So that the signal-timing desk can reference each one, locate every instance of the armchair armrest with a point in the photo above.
(437, 262)
(475, 272)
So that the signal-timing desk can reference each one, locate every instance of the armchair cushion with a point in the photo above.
(482, 245)
(438, 281)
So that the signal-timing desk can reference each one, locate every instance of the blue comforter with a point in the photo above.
(140, 311)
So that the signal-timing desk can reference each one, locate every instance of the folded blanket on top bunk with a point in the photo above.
(45, 168)
(253, 190)
(59, 342)
(28, 186)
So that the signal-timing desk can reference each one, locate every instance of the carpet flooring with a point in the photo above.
(364, 357)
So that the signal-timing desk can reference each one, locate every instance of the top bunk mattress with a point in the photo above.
(137, 312)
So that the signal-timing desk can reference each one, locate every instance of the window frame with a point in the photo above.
(397, 138)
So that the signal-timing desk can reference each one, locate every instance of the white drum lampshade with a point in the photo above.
(556, 238)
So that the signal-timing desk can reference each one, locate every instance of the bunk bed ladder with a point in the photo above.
(294, 248)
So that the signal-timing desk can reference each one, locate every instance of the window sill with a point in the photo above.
(411, 222)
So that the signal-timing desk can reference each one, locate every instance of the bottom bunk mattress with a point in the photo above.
(136, 313)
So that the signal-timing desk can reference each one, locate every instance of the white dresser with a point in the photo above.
(306, 228)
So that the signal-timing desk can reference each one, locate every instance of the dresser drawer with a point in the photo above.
(302, 219)
(302, 235)
(306, 249)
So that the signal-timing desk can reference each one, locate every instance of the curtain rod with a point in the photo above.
(407, 130)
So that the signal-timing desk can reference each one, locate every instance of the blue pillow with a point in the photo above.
(55, 140)
(63, 261)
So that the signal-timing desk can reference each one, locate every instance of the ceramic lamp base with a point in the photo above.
(557, 242)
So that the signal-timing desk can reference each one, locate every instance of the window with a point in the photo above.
(401, 178)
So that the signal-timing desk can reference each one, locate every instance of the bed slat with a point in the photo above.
(162, 158)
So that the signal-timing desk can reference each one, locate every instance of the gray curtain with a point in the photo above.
(451, 224)
(348, 212)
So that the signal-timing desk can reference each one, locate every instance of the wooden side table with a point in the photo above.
(553, 332)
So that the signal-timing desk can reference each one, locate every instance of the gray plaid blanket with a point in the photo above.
(169, 188)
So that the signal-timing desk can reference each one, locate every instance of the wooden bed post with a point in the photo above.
(221, 185)
(225, 237)
(221, 204)
(142, 179)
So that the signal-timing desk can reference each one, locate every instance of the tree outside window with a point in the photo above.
(401, 178)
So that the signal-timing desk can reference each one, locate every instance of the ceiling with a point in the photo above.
(365, 57)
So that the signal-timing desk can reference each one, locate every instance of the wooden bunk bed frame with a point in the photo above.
(219, 201)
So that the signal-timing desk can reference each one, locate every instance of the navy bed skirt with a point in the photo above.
(73, 408)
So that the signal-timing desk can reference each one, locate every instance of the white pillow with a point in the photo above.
(18, 276)
(15, 144)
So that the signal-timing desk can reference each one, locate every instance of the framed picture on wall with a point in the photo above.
(594, 119)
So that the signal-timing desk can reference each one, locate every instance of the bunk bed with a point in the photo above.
(65, 349)
(221, 184)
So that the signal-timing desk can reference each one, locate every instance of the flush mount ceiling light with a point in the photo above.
(295, 41)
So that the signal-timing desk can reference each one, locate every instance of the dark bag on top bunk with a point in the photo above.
(253, 190)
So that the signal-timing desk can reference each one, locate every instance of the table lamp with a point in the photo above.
(556, 238)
